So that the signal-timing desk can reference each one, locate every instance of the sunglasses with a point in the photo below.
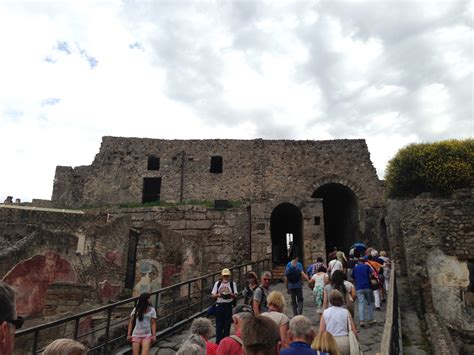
(18, 322)
(265, 279)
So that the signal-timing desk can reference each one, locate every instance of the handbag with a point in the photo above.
(374, 282)
(211, 311)
(354, 344)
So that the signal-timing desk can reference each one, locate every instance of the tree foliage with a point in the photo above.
(439, 167)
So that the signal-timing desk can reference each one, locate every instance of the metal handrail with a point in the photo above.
(173, 312)
(391, 339)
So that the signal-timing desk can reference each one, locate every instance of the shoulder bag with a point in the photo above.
(353, 342)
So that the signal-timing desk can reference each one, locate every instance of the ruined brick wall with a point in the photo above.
(434, 237)
(253, 170)
(48, 246)
(174, 244)
(214, 239)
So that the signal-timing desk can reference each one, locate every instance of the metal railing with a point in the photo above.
(104, 329)
(391, 338)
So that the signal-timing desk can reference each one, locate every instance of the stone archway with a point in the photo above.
(341, 216)
(286, 219)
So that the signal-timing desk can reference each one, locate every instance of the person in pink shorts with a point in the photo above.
(142, 325)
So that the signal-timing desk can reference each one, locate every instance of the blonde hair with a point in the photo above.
(65, 347)
(383, 253)
(324, 341)
(276, 299)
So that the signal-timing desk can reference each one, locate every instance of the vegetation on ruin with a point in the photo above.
(439, 167)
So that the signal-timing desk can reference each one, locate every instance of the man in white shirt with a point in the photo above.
(224, 292)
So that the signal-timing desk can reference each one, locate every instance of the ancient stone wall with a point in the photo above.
(173, 245)
(434, 239)
(221, 238)
(252, 170)
(47, 247)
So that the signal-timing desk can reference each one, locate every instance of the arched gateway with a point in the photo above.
(286, 228)
(341, 216)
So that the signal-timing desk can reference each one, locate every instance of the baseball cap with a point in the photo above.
(225, 272)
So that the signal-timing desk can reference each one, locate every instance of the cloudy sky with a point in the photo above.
(392, 72)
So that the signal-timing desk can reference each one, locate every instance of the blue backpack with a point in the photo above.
(293, 274)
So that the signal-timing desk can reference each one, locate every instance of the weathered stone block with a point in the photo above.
(198, 224)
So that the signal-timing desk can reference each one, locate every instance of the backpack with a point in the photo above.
(264, 299)
(248, 295)
(234, 301)
(293, 274)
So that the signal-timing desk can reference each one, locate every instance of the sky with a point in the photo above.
(71, 72)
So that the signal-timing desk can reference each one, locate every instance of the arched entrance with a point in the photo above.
(286, 228)
(341, 217)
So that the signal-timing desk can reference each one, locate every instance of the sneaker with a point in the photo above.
(362, 324)
(373, 321)
(378, 308)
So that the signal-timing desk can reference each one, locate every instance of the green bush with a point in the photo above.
(439, 167)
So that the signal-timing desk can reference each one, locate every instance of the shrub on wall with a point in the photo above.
(439, 167)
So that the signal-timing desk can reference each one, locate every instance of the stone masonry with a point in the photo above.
(251, 171)
(433, 238)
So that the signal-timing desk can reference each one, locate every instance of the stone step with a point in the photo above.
(278, 272)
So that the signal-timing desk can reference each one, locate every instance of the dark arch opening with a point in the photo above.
(341, 217)
(286, 219)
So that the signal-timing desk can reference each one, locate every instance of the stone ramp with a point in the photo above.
(370, 336)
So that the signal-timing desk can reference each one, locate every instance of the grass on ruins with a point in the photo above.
(439, 168)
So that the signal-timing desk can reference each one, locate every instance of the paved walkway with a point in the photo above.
(370, 336)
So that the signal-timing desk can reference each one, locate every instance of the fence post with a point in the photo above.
(35, 341)
(173, 318)
(76, 328)
(201, 300)
(189, 299)
(107, 330)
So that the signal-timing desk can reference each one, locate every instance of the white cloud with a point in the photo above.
(73, 71)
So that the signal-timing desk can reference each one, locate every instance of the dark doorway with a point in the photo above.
(341, 217)
(131, 259)
(151, 189)
(286, 228)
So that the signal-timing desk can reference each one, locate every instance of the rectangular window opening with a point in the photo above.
(216, 164)
(317, 221)
(153, 163)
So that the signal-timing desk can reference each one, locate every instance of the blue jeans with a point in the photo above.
(366, 296)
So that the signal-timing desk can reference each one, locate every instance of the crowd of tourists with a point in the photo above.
(260, 323)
